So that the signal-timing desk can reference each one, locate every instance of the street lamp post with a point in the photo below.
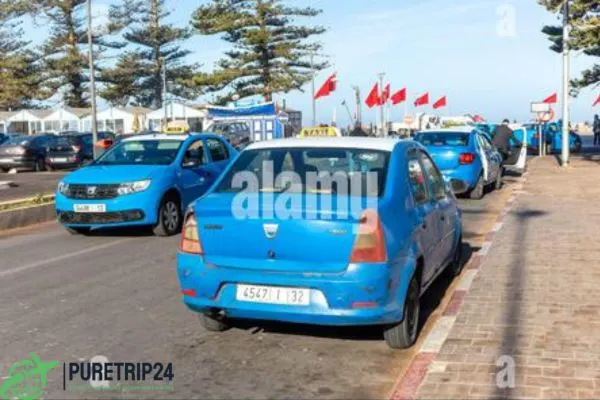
(565, 103)
(92, 78)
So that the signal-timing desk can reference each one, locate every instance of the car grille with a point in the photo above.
(70, 217)
(92, 191)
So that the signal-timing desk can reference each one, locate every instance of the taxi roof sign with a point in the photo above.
(328, 131)
(177, 127)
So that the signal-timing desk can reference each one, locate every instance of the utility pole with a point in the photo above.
(383, 130)
(358, 105)
(164, 96)
(565, 111)
(92, 78)
(312, 93)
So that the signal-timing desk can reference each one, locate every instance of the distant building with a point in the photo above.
(294, 125)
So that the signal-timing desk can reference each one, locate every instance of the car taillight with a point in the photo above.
(369, 246)
(536, 136)
(76, 148)
(20, 150)
(466, 158)
(190, 241)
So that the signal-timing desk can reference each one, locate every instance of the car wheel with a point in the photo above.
(39, 165)
(169, 217)
(498, 183)
(78, 231)
(577, 148)
(404, 334)
(212, 323)
(5, 170)
(477, 192)
(457, 265)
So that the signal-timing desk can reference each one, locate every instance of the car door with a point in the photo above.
(426, 232)
(445, 218)
(494, 157)
(195, 175)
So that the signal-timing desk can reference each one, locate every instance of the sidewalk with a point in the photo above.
(534, 297)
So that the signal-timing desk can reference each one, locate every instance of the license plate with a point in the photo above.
(6, 160)
(273, 295)
(89, 208)
(59, 159)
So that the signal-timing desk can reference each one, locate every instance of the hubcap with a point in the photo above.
(171, 216)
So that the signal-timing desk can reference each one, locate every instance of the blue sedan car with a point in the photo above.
(145, 180)
(466, 157)
(327, 231)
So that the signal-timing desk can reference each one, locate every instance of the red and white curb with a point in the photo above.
(424, 362)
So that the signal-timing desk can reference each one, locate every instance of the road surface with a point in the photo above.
(70, 298)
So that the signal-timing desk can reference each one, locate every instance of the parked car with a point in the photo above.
(24, 152)
(142, 181)
(324, 266)
(555, 139)
(3, 138)
(71, 151)
(466, 157)
(516, 161)
(236, 133)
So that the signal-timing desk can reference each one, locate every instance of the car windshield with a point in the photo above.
(443, 138)
(18, 140)
(340, 171)
(142, 152)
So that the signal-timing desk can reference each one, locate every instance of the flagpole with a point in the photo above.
(381, 76)
(314, 101)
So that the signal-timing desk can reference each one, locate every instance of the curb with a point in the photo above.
(28, 215)
(408, 385)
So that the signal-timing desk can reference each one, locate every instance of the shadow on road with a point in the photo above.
(514, 293)
(122, 232)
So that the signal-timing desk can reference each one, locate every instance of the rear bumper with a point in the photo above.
(335, 299)
(17, 162)
(462, 179)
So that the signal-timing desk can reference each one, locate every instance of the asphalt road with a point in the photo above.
(26, 184)
(116, 294)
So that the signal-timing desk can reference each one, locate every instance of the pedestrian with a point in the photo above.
(502, 137)
(596, 130)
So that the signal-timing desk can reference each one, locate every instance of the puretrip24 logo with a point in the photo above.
(27, 379)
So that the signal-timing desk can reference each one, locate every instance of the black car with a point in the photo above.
(24, 152)
(71, 151)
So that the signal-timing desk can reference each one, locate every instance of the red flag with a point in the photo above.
(399, 96)
(478, 118)
(372, 99)
(551, 99)
(440, 103)
(328, 87)
(596, 102)
(422, 101)
(385, 95)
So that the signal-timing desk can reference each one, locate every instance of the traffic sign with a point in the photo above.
(537, 107)
(546, 116)
(283, 117)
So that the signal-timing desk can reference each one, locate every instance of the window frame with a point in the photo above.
(223, 146)
(444, 192)
(413, 155)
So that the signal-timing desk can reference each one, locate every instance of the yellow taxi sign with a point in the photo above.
(319, 131)
(177, 127)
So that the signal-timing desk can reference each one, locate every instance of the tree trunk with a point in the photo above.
(266, 68)
(158, 88)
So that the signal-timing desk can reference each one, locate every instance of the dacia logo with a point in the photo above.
(91, 190)
(270, 230)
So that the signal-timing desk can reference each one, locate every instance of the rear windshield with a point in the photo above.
(60, 141)
(443, 138)
(18, 140)
(355, 172)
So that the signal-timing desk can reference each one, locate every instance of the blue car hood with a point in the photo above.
(114, 173)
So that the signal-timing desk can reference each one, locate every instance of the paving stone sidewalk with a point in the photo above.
(535, 298)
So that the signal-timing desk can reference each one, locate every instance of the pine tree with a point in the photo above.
(270, 51)
(19, 72)
(155, 42)
(66, 49)
(584, 17)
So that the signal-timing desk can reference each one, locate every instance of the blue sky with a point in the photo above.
(487, 56)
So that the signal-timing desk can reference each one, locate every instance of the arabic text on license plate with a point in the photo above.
(88, 208)
(273, 295)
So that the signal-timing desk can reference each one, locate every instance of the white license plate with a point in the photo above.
(59, 159)
(273, 295)
(6, 160)
(89, 208)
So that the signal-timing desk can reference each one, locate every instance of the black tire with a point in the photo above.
(456, 266)
(477, 192)
(78, 231)
(49, 168)
(5, 170)
(577, 147)
(404, 334)
(498, 183)
(169, 217)
(212, 323)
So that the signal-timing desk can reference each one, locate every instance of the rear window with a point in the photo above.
(18, 140)
(309, 170)
(443, 138)
(64, 141)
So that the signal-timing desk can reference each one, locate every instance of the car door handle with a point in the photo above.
(424, 226)
(443, 217)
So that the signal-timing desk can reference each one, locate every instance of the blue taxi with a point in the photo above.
(144, 180)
